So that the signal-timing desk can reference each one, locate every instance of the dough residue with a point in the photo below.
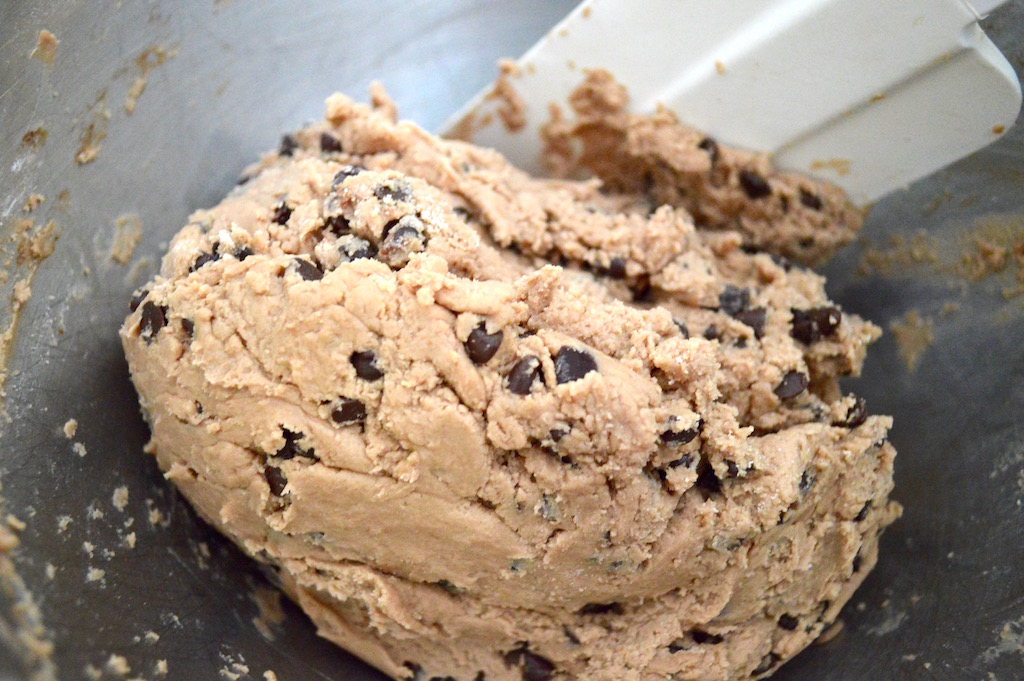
(913, 334)
(127, 234)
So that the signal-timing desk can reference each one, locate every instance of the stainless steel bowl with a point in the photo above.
(947, 599)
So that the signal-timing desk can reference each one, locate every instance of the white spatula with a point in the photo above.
(869, 94)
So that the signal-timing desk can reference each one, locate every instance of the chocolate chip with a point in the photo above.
(617, 268)
(291, 447)
(572, 364)
(152, 318)
(288, 146)
(807, 479)
(556, 434)
(702, 637)
(707, 482)
(857, 560)
(275, 480)
(793, 383)
(601, 609)
(521, 379)
(685, 461)
(712, 332)
(678, 438)
(682, 328)
(480, 676)
(857, 414)
(203, 259)
(330, 143)
(401, 239)
(755, 318)
(767, 663)
(755, 186)
(346, 172)
(812, 201)
(537, 668)
(307, 270)
(788, 622)
(863, 513)
(242, 252)
(642, 290)
(355, 248)
(395, 190)
(733, 300)
(188, 326)
(811, 325)
(137, 299)
(732, 470)
(448, 586)
(481, 346)
(348, 412)
(282, 212)
(709, 145)
(365, 363)
(338, 225)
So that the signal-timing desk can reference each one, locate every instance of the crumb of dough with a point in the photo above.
(62, 523)
(151, 637)
(236, 671)
(92, 673)
(89, 548)
(79, 449)
(160, 668)
(156, 516)
(129, 540)
(118, 664)
(127, 234)
(33, 200)
(15, 523)
(94, 513)
(913, 335)
(95, 574)
(51, 571)
(119, 499)
(269, 676)
(46, 48)
(268, 601)
(70, 428)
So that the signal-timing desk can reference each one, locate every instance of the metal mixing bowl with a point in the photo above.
(947, 598)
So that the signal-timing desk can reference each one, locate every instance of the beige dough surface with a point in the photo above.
(486, 426)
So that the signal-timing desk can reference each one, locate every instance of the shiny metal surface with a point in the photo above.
(947, 599)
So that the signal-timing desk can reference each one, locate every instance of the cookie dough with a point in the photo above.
(487, 426)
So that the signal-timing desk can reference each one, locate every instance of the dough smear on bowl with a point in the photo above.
(487, 426)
